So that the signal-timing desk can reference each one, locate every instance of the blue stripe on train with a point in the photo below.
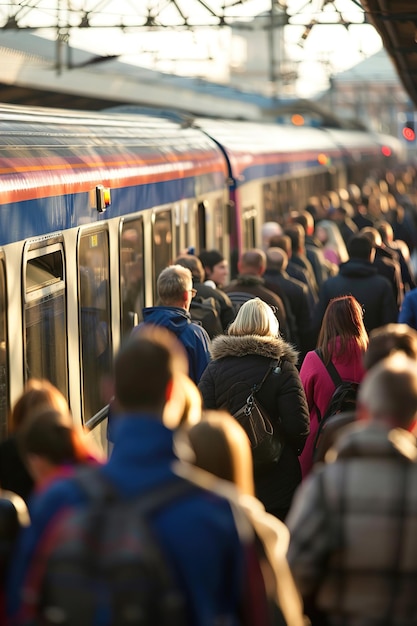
(33, 218)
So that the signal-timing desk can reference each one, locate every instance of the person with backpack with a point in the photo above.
(138, 540)
(325, 371)
(210, 306)
(383, 342)
(250, 283)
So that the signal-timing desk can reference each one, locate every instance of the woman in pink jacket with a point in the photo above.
(342, 340)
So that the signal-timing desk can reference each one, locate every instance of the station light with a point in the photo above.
(323, 159)
(408, 131)
(297, 119)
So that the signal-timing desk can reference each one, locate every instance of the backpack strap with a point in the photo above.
(100, 491)
(275, 367)
(333, 373)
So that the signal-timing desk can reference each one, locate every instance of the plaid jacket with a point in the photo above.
(353, 528)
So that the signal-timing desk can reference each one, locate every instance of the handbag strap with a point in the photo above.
(275, 365)
(333, 373)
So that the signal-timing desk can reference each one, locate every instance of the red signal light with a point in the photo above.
(386, 151)
(409, 133)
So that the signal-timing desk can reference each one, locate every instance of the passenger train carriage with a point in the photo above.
(94, 205)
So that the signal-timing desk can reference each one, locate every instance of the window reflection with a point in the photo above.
(131, 275)
(94, 302)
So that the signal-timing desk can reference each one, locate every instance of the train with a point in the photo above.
(93, 205)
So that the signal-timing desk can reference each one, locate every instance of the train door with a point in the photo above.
(201, 235)
(162, 249)
(132, 284)
(45, 326)
(270, 203)
(94, 318)
(4, 365)
(249, 228)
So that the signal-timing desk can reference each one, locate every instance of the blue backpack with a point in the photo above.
(105, 565)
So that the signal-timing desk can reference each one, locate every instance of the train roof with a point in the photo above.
(291, 148)
(43, 150)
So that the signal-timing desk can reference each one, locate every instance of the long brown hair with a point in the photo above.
(341, 323)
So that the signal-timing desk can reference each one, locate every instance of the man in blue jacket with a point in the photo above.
(175, 292)
(208, 556)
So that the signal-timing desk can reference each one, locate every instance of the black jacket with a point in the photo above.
(254, 286)
(224, 306)
(361, 280)
(297, 294)
(238, 364)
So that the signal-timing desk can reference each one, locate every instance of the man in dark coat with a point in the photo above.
(297, 235)
(251, 284)
(313, 247)
(386, 262)
(296, 293)
(359, 277)
(294, 270)
(395, 248)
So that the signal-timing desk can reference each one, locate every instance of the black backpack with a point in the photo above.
(105, 559)
(343, 399)
(204, 311)
(238, 298)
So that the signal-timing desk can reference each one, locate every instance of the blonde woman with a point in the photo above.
(240, 360)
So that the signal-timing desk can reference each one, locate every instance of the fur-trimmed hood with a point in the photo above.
(271, 347)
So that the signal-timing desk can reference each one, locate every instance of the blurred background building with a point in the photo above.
(250, 59)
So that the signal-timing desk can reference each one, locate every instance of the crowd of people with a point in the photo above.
(180, 525)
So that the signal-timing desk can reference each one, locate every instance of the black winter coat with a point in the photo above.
(238, 364)
(361, 280)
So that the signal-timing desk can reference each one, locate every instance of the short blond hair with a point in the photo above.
(255, 317)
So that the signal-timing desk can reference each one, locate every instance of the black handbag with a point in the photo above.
(266, 442)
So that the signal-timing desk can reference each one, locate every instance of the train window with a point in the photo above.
(201, 225)
(270, 202)
(249, 230)
(132, 287)
(45, 316)
(177, 226)
(4, 387)
(162, 244)
(94, 315)
(219, 223)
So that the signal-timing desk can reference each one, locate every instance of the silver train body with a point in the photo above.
(94, 205)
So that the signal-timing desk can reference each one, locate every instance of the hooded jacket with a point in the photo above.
(238, 364)
(193, 337)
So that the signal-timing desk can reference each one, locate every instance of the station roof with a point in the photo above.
(396, 22)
